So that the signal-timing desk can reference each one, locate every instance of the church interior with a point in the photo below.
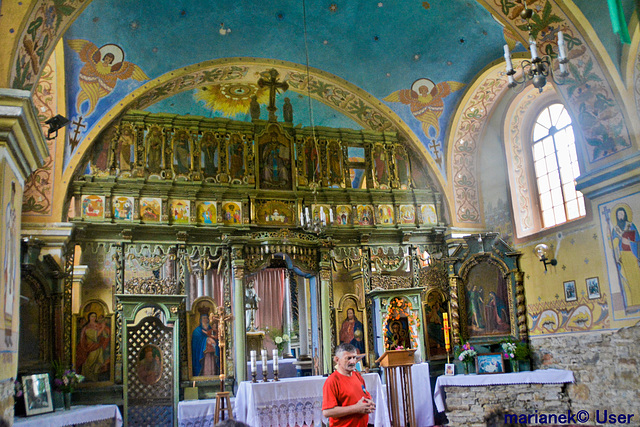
(186, 184)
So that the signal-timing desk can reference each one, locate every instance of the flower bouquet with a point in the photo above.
(466, 354)
(279, 338)
(65, 380)
(515, 352)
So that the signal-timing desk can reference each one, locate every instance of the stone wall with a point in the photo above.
(606, 366)
(487, 405)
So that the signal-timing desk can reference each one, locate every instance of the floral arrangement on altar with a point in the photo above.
(515, 350)
(399, 307)
(279, 338)
(466, 353)
(65, 380)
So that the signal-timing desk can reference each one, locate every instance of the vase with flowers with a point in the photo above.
(515, 352)
(467, 355)
(66, 381)
(280, 339)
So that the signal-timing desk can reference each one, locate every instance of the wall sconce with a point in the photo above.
(55, 123)
(541, 252)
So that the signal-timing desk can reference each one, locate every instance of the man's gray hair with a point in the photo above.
(345, 347)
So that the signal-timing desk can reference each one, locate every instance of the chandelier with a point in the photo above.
(539, 68)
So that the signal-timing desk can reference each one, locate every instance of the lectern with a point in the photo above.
(397, 364)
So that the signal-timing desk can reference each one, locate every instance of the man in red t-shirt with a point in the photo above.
(345, 399)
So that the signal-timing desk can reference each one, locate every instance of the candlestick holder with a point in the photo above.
(254, 375)
(275, 376)
(264, 376)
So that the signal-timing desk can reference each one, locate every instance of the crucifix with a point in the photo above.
(274, 85)
(75, 139)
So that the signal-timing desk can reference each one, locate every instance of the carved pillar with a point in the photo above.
(237, 264)
(454, 306)
(521, 307)
(325, 339)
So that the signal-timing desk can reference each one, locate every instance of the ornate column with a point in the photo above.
(325, 296)
(237, 264)
(455, 309)
(521, 306)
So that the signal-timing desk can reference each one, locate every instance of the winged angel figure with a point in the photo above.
(102, 68)
(426, 101)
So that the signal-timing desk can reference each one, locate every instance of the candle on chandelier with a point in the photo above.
(507, 58)
(275, 360)
(254, 366)
(534, 49)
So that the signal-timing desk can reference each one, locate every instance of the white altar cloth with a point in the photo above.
(297, 401)
(286, 369)
(196, 412)
(540, 376)
(76, 415)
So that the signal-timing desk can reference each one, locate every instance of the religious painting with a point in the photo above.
(322, 213)
(210, 155)
(487, 301)
(206, 213)
(92, 207)
(123, 208)
(334, 160)
(570, 293)
(365, 215)
(343, 215)
(203, 347)
(180, 211)
(397, 334)
(385, 215)
(349, 323)
(620, 241)
(428, 214)
(181, 153)
(275, 212)
(10, 276)
(490, 363)
(37, 394)
(154, 143)
(380, 167)
(236, 159)
(402, 167)
(434, 308)
(126, 145)
(232, 213)
(149, 364)
(593, 287)
(93, 343)
(150, 209)
(312, 165)
(274, 159)
(407, 214)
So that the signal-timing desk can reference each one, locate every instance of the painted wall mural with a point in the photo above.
(560, 316)
(618, 219)
(426, 101)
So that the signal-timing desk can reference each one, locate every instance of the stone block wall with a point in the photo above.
(606, 366)
(487, 406)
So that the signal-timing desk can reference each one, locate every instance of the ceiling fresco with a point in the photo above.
(415, 57)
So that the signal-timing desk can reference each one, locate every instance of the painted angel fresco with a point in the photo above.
(102, 68)
(426, 101)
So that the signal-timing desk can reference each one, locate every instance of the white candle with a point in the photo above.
(323, 217)
(534, 49)
(561, 47)
(275, 360)
(264, 359)
(301, 218)
(507, 57)
(254, 367)
(306, 213)
(331, 215)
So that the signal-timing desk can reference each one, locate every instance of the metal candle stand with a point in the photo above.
(264, 376)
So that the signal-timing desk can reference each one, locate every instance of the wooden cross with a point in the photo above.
(76, 133)
(274, 85)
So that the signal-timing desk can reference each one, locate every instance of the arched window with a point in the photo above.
(556, 167)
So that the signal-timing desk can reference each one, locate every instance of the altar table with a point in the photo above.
(102, 415)
(297, 401)
(541, 376)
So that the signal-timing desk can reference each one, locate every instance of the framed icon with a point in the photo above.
(570, 293)
(37, 394)
(491, 363)
(593, 287)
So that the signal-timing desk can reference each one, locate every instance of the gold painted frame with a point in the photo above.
(193, 321)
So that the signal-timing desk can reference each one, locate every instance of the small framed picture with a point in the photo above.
(37, 394)
(570, 293)
(490, 363)
(449, 369)
(593, 287)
